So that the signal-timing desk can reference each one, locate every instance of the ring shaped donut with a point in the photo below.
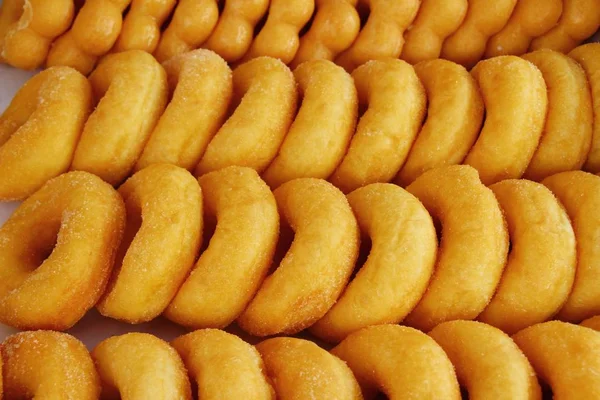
(57, 251)
(509, 86)
(33, 147)
(202, 88)
(231, 269)
(132, 87)
(299, 369)
(454, 118)
(399, 265)
(383, 135)
(473, 245)
(161, 241)
(140, 366)
(319, 136)
(49, 365)
(400, 362)
(317, 266)
(488, 364)
(223, 365)
(264, 100)
(565, 356)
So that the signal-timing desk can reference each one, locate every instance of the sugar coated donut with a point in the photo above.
(57, 250)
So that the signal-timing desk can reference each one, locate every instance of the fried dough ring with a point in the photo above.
(47, 365)
(473, 245)
(513, 87)
(541, 264)
(487, 362)
(316, 268)
(319, 136)
(33, 149)
(223, 365)
(383, 136)
(27, 28)
(202, 88)
(140, 366)
(230, 271)
(567, 135)
(399, 361)
(579, 192)
(530, 19)
(399, 266)
(435, 21)
(454, 118)
(565, 356)
(131, 88)
(592, 323)
(57, 250)
(299, 369)
(264, 97)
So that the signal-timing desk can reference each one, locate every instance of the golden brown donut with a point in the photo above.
(593, 323)
(57, 251)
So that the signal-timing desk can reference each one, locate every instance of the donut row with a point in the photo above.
(349, 32)
(556, 358)
(510, 117)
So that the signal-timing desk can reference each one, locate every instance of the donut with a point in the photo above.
(232, 267)
(473, 245)
(201, 84)
(319, 136)
(588, 56)
(564, 356)
(454, 118)
(33, 148)
(162, 239)
(382, 35)
(334, 28)
(234, 32)
(264, 100)
(299, 369)
(49, 365)
(130, 86)
(579, 193)
(223, 365)
(191, 24)
(510, 86)
(567, 135)
(383, 135)
(530, 19)
(398, 268)
(579, 20)
(593, 323)
(140, 366)
(435, 21)
(488, 364)
(541, 264)
(57, 251)
(466, 46)
(317, 266)
(27, 28)
(400, 362)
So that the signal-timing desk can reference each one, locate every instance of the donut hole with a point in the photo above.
(363, 254)
(364, 12)
(547, 393)
(464, 394)
(210, 225)
(44, 242)
(286, 238)
(308, 25)
(261, 23)
(437, 224)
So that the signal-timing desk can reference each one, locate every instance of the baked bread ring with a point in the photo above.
(162, 239)
(201, 84)
(395, 276)
(223, 365)
(299, 369)
(319, 136)
(57, 250)
(131, 86)
(231, 269)
(400, 362)
(315, 270)
(33, 149)
(473, 245)
(47, 365)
